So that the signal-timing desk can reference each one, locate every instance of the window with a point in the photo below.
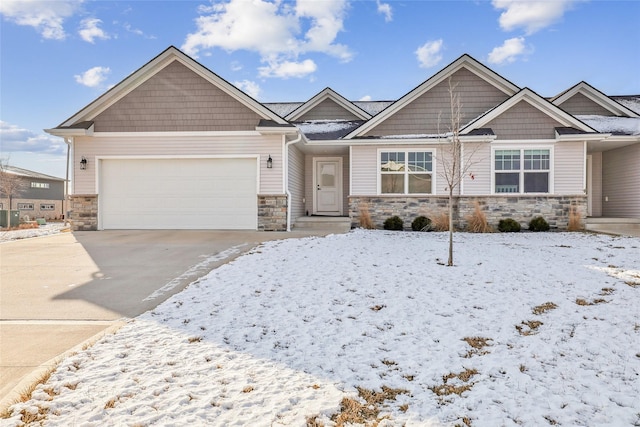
(406, 172)
(47, 207)
(39, 185)
(522, 171)
(25, 206)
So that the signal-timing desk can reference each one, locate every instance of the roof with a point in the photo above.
(327, 129)
(29, 173)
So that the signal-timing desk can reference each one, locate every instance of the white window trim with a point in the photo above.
(522, 148)
(406, 175)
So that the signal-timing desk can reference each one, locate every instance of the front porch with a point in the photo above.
(618, 226)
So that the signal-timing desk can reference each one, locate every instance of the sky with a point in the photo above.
(58, 56)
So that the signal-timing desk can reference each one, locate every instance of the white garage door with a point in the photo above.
(178, 194)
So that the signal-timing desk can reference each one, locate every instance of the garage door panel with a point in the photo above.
(178, 194)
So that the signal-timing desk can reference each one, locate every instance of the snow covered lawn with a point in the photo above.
(527, 329)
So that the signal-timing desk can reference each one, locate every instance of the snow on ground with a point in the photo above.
(288, 330)
(43, 230)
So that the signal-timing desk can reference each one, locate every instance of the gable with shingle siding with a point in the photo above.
(579, 104)
(421, 116)
(328, 110)
(524, 121)
(176, 99)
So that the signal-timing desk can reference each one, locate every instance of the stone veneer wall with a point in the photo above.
(84, 212)
(272, 212)
(554, 209)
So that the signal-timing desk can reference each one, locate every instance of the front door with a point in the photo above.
(327, 186)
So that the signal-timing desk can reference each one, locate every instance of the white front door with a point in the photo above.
(327, 186)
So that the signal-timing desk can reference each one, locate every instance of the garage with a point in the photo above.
(193, 193)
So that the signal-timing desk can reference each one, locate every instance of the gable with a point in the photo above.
(420, 116)
(524, 121)
(579, 104)
(176, 99)
(328, 109)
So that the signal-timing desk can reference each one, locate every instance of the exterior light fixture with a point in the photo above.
(83, 163)
(269, 162)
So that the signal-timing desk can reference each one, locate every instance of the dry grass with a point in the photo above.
(25, 395)
(448, 388)
(575, 221)
(543, 308)
(440, 222)
(193, 340)
(529, 327)
(477, 221)
(364, 410)
(477, 345)
(584, 302)
(365, 217)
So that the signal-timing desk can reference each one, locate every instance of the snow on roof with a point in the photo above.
(614, 125)
(282, 109)
(631, 102)
(29, 173)
(327, 129)
(373, 107)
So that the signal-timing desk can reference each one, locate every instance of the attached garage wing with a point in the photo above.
(178, 193)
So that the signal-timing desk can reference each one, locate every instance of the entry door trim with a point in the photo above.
(339, 189)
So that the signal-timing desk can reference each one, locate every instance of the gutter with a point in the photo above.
(285, 168)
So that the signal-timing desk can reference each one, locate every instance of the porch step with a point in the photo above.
(623, 226)
(331, 224)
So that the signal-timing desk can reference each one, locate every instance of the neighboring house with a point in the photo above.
(174, 146)
(38, 196)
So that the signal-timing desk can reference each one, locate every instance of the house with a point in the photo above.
(34, 195)
(174, 146)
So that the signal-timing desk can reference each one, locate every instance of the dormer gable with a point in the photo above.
(328, 105)
(584, 99)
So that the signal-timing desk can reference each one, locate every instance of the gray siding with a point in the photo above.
(569, 164)
(580, 104)
(176, 99)
(596, 184)
(421, 116)
(523, 121)
(54, 192)
(620, 178)
(328, 109)
(478, 157)
(296, 182)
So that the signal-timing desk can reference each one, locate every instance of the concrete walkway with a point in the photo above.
(61, 292)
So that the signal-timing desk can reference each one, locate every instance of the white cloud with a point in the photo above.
(509, 51)
(15, 138)
(530, 15)
(90, 30)
(250, 88)
(46, 17)
(93, 77)
(286, 69)
(365, 98)
(385, 9)
(429, 53)
(272, 29)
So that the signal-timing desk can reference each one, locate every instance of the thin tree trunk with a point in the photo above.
(450, 261)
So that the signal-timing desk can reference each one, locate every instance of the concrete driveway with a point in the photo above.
(57, 292)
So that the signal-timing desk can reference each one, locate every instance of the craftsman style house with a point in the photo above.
(174, 146)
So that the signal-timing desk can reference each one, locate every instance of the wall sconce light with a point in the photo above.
(269, 162)
(83, 163)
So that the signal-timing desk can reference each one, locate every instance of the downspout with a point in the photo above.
(285, 168)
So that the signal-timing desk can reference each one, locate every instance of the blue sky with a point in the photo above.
(58, 56)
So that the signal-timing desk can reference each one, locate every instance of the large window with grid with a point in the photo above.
(522, 171)
(406, 172)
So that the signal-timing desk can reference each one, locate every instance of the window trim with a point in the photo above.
(522, 148)
(406, 173)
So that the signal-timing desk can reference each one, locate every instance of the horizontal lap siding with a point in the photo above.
(176, 99)
(176, 145)
(620, 179)
(569, 168)
(421, 115)
(596, 184)
(296, 182)
(478, 159)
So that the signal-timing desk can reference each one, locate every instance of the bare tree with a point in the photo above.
(454, 167)
(11, 185)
